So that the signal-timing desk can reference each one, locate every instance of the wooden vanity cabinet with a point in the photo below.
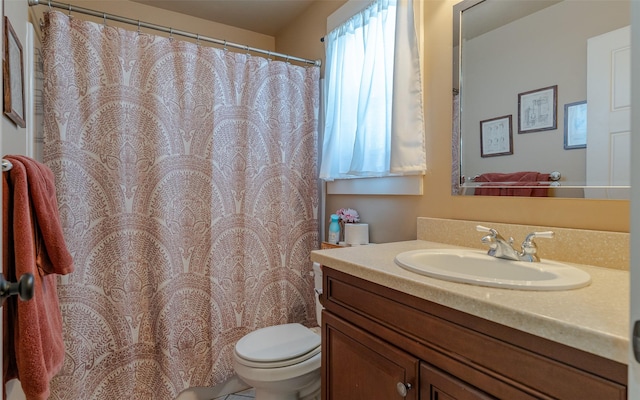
(377, 341)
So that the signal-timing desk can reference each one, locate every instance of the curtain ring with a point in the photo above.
(269, 55)
(247, 49)
(170, 33)
(198, 39)
(49, 5)
(69, 10)
(138, 27)
(104, 19)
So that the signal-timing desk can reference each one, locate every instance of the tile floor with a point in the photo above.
(244, 395)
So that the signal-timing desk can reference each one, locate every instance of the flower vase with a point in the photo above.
(341, 223)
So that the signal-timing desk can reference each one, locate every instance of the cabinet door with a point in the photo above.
(358, 366)
(438, 385)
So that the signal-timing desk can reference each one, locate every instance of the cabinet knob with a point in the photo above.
(403, 388)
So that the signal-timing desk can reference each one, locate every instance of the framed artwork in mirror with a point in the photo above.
(496, 136)
(575, 125)
(13, 75)
(538, 109)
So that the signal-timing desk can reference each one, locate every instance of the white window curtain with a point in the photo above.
(374, 116)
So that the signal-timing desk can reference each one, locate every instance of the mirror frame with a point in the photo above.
(457, 179)
(456, 140)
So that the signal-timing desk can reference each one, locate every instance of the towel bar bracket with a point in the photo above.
(24, 288)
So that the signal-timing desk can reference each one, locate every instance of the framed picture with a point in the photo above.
(537, 110)
(13, 75)
(575, 125)
(496, 137)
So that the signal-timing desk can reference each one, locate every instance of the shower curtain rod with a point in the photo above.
(170, 31)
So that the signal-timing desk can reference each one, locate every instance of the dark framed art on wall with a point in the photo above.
(496, 136)
(538, 109)
(13, 75)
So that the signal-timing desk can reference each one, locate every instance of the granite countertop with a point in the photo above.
(594, 318)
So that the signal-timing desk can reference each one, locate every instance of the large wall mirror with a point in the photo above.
(542, 98)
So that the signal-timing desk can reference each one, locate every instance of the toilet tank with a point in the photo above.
(317, 278)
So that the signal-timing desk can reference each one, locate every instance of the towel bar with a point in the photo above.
(554, 176)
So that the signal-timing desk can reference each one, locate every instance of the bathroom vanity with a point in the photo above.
(391, 334)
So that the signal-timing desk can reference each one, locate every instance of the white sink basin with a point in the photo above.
(478, 268)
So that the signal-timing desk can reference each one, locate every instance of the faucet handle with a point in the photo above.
(533, 235)
(493, 233)
(529, 248)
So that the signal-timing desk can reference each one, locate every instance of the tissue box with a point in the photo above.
(356, 234)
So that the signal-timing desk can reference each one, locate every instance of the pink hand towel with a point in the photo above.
(33, 243)
(524, 176)
(513, 184)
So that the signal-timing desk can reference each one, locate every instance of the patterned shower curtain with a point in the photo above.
(186, 181)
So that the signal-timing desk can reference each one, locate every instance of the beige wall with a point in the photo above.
(157, 16)
(393, 218)
(302, 38)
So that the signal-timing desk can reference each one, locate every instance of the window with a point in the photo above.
(374, 125)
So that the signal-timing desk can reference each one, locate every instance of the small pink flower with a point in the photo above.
(348, 215)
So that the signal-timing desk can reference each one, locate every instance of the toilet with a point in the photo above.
(282, 362)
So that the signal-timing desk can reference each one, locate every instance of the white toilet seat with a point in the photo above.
(277, 346)
(278, 364)
(252, 375)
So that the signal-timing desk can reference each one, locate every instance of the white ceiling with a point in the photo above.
(262, 16)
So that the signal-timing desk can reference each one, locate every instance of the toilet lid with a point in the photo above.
(277, 343)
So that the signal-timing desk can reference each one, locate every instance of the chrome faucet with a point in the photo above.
(501, 248)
